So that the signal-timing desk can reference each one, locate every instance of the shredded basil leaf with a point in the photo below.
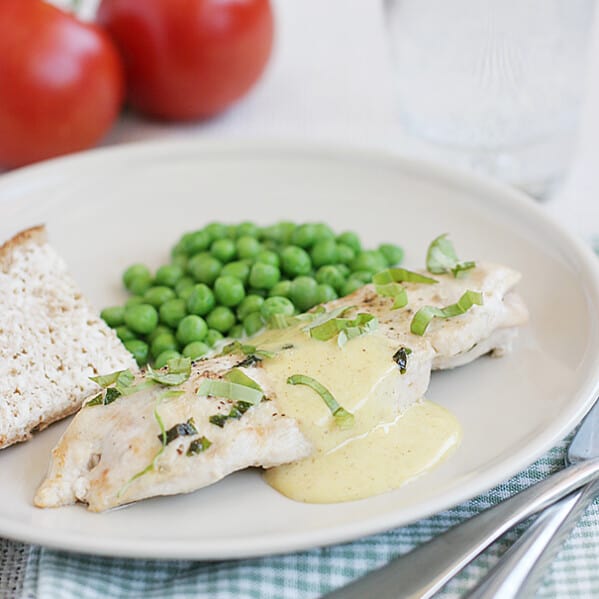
(230, 390)
(178, 371)
(400, 357)
(345, 328)
(180, 430)
(401, 275)
(343, 418)
(240, 378)
(441, 258)
(248, 350)
(198, 446)
(105, 380)
(103, 399)
(423, 317)
(394, 290)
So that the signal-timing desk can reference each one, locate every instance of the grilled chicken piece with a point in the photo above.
(100, 457)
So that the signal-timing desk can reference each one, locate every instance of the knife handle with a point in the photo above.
(422, 572)
(520, 571)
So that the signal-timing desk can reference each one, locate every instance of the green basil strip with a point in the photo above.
(230, 390)
(401, 275)
(180, 430)
(178, 371)
(343, 418)
(240, 378)
(441, 258)
(423, 317)
(394, 290)
(198, 446)
(106, 380)
(248, 350)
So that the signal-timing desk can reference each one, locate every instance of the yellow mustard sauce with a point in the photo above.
(383, 449)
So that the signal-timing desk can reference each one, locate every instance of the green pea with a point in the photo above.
(295, 261)
(159, 330)
(172, 311)
(323, 232)
(180, 260)
(264, 276)
(236, 331)
(213, 336)
(304, 293)
(232, 231)
(250, 303)
(248, 247)
(201, 300)
(286, 229)
(195, 242)
(195, 349)
(362, 275)
(350, 286)
(113, 316)
(184, 287)
(156, 296)
(268, 257)
(392, 254)
(141, 319)
(221, 319)
(178, 250)
(369, 260)
(140, 284)
(280, 289)
(252, 323)
(124, 333)
(271, 246)
(162, 343)
(304, 236)
(139, 349)
(247, 229)
(325, 293)
(330, 275)
(261, 292)
(165, 356)
(223, 250)
(276, 305)
(272, 233)
(240, 270)
(191, 328)
(343, 269)
(168, 275)
(133, 272)
(228, 291)
(345, 254)
(204, 268)
(324, 252)
(216, 231)
(350, 239)
(134, 300)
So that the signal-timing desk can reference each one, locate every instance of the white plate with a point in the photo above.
(108, 208)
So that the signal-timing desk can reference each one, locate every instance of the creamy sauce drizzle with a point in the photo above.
(383, 449)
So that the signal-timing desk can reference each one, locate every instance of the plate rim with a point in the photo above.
(500, 195)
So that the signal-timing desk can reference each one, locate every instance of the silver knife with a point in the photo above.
(422, 572)
(520, 571)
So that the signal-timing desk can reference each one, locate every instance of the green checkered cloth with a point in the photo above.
(309, 574)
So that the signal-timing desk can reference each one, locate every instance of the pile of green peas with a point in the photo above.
(228, 280)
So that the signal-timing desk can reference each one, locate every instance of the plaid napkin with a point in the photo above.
(306, 575)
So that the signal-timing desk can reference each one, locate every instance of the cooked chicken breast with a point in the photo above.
(114, 454)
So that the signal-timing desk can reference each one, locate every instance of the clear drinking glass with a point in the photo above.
(496, 85)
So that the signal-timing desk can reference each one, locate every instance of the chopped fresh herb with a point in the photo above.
(287, 346)
(178, 371)
(394, 290)
(229, 390)
(198, 446)
(423, 317)
(122, 381)
(218, 419)
(180, 430)
(345, 328)
(243, 406)
(343, 418)
(103, 399)
(248, 350)
(401, 358)
(441, 258)
(240, 378)
(249, 361)
(106, 380)
(401, 275)
(281, 321)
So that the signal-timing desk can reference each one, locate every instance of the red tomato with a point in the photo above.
(61, 82)
(188, 59)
